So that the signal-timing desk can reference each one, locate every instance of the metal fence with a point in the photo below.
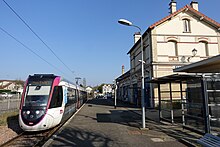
(10, 103)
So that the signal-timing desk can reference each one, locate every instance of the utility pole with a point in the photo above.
(115, 88)
(84, 82)
(128, 23)
(77, 80)
(77, 91)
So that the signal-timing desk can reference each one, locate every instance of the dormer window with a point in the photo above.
(186, 25)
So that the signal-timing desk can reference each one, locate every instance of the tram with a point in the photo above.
(47, 101)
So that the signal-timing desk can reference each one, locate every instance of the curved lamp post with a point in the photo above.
(128, 23)
(194, 52)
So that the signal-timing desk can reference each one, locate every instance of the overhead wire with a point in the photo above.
(25, 46)
(37, 35)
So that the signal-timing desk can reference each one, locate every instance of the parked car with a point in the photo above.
(99, 96)
(6, 95)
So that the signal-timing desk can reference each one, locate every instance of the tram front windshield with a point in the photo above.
(37, 93)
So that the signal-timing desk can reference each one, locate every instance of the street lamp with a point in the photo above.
(128, 23)
(194, 52)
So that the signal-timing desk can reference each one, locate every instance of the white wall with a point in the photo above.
(186, 42)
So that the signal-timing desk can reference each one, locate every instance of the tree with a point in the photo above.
(98, 87)
(19, 82)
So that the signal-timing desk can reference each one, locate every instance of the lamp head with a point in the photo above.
(194, 52)
(124, 22)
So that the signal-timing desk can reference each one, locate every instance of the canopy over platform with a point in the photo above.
(210, 65)
(175, 78)
(190, 99)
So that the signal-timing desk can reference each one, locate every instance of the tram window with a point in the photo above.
(57, 97)
(71, 96)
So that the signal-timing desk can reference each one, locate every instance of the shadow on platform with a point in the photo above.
(123, 117)
(78, 137)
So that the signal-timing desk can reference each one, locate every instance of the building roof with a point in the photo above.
(210, 65)
(187, 8)
(6, 85)
(190, 9)
(125, 75)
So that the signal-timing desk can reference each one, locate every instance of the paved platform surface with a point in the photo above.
(99, 124)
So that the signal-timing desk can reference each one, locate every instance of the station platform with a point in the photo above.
(99, 124)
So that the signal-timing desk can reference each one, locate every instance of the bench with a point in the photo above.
(209, 140)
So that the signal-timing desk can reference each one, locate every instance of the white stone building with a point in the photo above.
(106, 89)
(89, 89)
(169, 43)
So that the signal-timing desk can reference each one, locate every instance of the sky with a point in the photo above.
(84, 34)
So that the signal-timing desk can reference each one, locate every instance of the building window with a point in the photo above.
(133, 62)
(203, 49)
(186, 25)
(172, 47)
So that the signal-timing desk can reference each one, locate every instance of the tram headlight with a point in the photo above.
(37, 112)
(25, 113)
(28, 112)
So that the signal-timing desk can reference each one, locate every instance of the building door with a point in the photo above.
(147, 93)
(135, 94)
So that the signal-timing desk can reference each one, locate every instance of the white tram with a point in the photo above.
(47, 101)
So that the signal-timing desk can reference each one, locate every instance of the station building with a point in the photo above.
(182, 37)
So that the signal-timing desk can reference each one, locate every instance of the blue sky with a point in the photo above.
(84, 34)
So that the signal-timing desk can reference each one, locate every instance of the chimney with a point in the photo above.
(123, 69)
(137, 36)
(172, 6)
(194, 5)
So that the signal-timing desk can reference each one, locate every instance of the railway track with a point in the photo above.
(33, 139)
